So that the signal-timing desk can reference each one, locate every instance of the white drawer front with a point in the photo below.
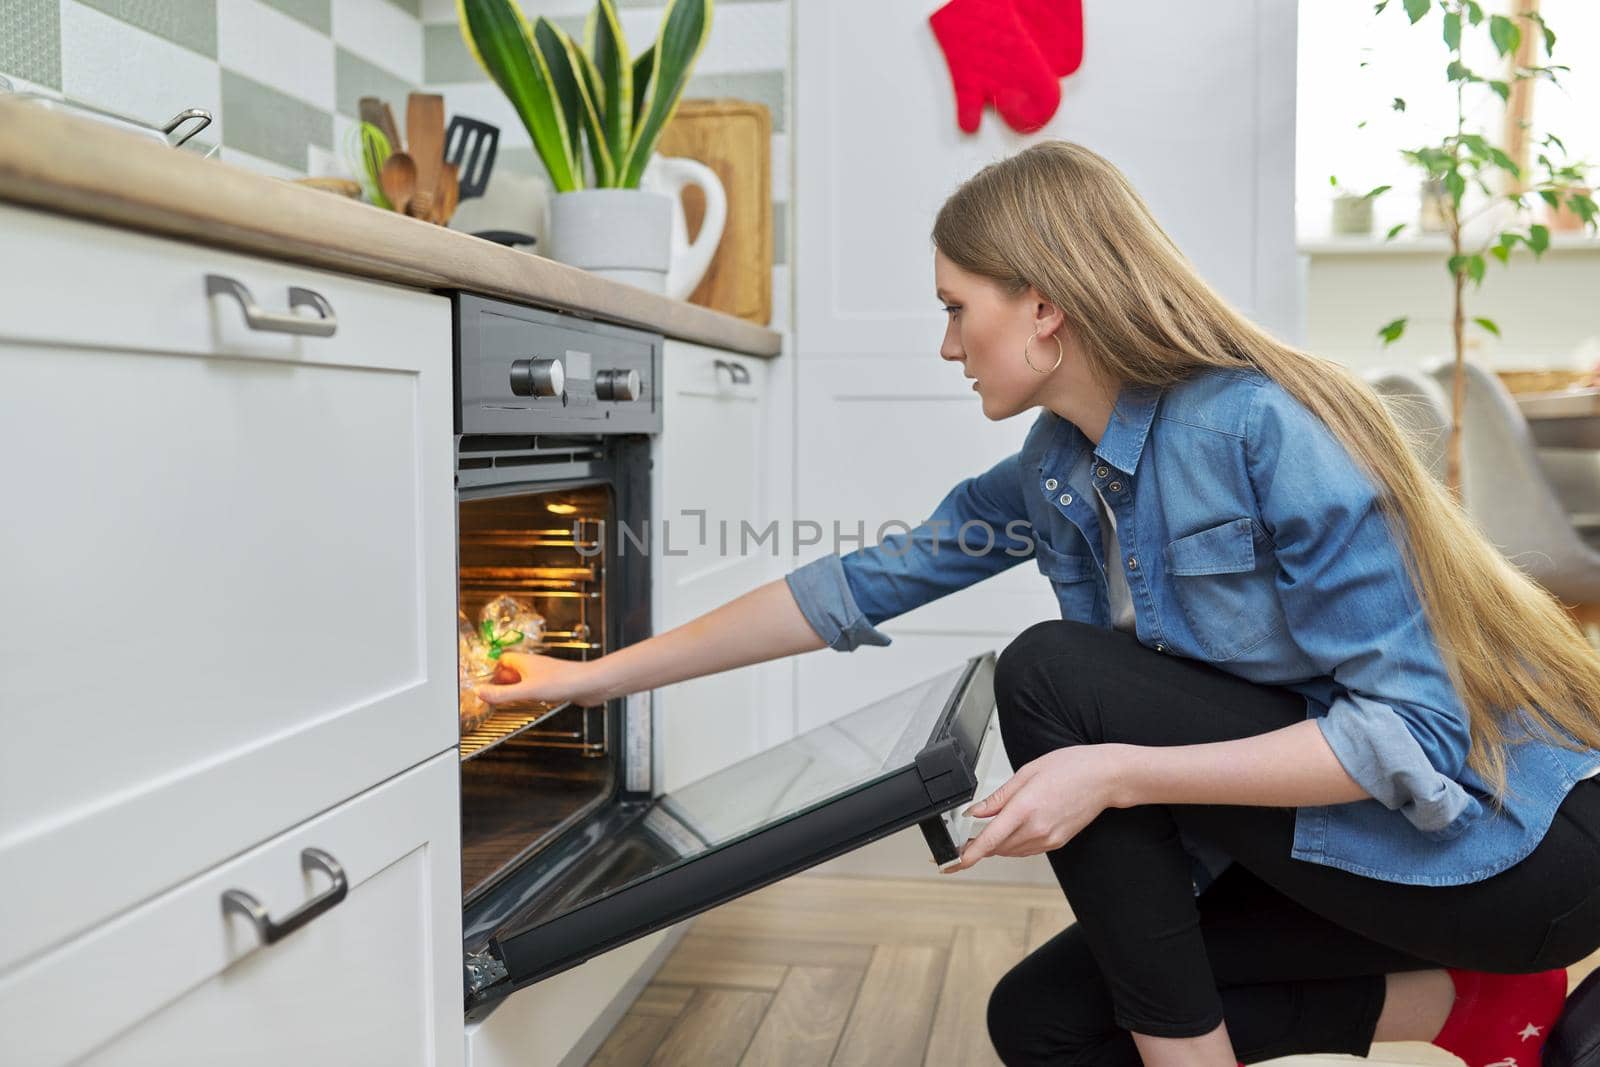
(228, 580)
(374, 980)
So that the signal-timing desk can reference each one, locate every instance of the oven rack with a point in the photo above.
(518, 538)
(505, 724)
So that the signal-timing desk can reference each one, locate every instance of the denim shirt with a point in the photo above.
(1251, 540)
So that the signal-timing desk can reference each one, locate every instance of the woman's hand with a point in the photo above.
(526, 676)
(1043, 805)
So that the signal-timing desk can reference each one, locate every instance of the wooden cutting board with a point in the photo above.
(733, 138)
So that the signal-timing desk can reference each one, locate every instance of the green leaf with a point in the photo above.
(1456, 70)
(1504, 162)
(605, 165)
(1538, 238)
(551, 42)
(1501, 89)
(602, 34)
(1392, 331)
(1456, 186)
(685, 24)
(1551, 197)
(1551, 138)
(643, 67)
(1333, 180)
(1377, 9)
(500, 39)
(1476, 268)
(1501, 252)
(1504, 33)
(1456, 265)
(1415, 9)
(1488, 324)
(1452, 31)
(1379, 191)
(1583, 205)
(1394, 231)
(1399, 104)
(1474, 12)
(1549, 34)
(579, 85)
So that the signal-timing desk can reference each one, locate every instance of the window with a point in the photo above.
(1336, 93)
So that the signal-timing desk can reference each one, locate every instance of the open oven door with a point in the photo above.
(905, 760)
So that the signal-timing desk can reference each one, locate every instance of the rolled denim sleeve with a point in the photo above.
(825, 599)
(980, 528)
(1396, 721)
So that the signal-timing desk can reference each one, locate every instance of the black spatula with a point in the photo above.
(471, 144)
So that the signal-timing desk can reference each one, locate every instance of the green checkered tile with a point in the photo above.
(260, 120)
(191, 23)
(354, 78)
(30, 40)
(318, 14)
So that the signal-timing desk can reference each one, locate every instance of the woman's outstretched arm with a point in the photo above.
(765, 623)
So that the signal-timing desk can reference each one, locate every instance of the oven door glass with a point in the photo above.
(901, 761)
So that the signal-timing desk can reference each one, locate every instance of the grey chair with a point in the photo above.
(1507, 492)
(1574, 474)
(1420, 407)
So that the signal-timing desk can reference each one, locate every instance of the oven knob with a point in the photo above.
(617, 385)
(537, 377)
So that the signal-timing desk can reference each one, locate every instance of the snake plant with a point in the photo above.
(597, 95)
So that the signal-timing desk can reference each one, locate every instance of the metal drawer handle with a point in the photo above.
(278, 322)
(739, 374)
(237, 900)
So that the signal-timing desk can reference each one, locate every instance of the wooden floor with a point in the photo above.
(843, 971)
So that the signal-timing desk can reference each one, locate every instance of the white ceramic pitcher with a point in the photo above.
(690, 259)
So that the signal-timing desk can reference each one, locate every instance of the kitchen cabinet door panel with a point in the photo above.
(712, 458)
(176, 981)
(228, 571)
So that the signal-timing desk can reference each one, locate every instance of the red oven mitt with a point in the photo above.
(1057, 29)
(992, 57)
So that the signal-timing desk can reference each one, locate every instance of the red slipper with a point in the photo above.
(1502, 1020)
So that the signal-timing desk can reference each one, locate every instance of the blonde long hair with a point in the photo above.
(1063, 219)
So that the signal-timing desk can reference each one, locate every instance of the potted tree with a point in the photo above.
(1466, 162)
(616, 104)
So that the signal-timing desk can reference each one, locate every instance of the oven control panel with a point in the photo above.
(524, 370)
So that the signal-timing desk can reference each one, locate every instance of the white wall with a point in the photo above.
(884, 427)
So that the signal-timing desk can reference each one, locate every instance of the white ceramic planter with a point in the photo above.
(622, 234)
(639, 236)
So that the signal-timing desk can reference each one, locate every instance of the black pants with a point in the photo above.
(1291, 954)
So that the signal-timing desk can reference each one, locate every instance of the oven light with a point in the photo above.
(562, 509)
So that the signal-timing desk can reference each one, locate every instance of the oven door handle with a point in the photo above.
(237, 900)
(257, 318)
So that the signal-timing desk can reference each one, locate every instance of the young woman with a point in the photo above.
(1309, 759)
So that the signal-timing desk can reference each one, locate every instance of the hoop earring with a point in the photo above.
(1029, 362)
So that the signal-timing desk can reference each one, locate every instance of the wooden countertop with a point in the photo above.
(80, 167)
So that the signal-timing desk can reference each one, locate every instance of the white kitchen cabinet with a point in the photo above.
(227, 563)
(710, 483)
(374, 979)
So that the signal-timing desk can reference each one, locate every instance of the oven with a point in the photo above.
(567, 848)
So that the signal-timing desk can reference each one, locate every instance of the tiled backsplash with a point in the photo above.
(274, 73)
(282, 77)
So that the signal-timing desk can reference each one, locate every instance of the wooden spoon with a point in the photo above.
(425, 143)
(444, 204)
(399, 180)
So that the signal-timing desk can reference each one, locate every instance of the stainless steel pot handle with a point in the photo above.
(278, 322)
(738, 373)
(237, 900)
